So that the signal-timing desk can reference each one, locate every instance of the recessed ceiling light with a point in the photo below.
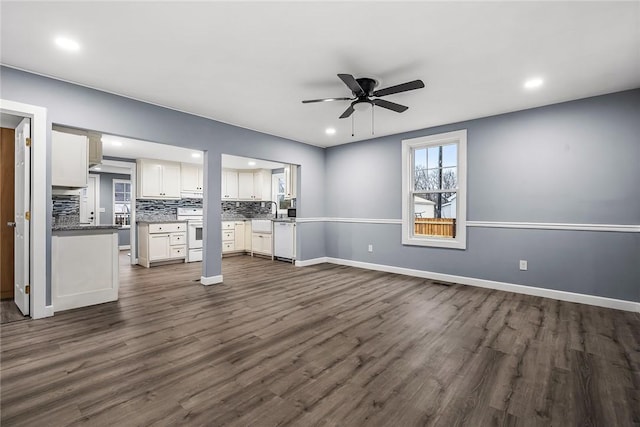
(97, 169)
(252, 163)
(330, 131)
(533, 83)
(67, 44)
(196, 155)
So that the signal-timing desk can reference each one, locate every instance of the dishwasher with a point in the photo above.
(284, 240)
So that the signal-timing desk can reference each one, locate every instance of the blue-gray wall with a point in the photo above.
(576, 162)
(106, 202)
(76, 106)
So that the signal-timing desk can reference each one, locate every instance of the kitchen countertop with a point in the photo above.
(81, 227)
(159, 221)
(283, 219)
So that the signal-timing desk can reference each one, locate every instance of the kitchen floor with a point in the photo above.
(333, 345)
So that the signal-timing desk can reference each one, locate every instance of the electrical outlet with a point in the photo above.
(237, 204)
(370, 248)
(523, 265)
(262, 204)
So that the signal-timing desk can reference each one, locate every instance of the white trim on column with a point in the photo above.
(39, 200)
(482, 283)
(621, 228)
(212, 280)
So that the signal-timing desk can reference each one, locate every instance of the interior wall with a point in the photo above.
(76, 106)
(575, 162)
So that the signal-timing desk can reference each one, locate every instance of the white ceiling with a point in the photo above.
(127, 148)
(251, 63)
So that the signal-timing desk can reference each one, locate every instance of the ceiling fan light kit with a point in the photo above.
(364, 93)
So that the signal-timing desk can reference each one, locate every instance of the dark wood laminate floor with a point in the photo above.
(321, 345)
(9, 312)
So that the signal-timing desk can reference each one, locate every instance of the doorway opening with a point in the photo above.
(15, 160)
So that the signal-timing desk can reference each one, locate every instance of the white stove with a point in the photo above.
(195, 231)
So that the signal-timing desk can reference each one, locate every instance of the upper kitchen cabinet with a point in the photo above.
(229, 190)
(252, 185)
(158, 179)
(95, 148)
(192, 180)
(291, 180)
(69, 160)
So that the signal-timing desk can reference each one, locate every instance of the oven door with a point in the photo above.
(194, 239)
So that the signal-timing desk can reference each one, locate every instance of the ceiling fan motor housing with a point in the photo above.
(367, 85)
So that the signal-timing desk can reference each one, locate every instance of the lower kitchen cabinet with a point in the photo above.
(84, 268)
(234, 237)
(159, 242)
(261, 244)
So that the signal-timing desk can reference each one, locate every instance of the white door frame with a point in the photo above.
(132, 230)
(38, 223)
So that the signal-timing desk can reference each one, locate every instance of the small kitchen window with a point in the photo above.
(122, 202)
(279, 192)
(434, 178)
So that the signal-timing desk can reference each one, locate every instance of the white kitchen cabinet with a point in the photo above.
(229, 190)
(69, 160)
(254, 185)
(291, 181)
(247, 236)
(161, 242)
(95, 148)
(239, 238)
(84, 268)
(245, 186)
(228, 236)
(158, 179)
(262, 184)
(261, 244)
(191, 180)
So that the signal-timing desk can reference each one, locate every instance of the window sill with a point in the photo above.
(435, 242)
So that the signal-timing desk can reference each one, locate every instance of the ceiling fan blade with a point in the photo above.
(416, 84)
(349, 111)
(352, 84)
(390, 105)
(326, 100)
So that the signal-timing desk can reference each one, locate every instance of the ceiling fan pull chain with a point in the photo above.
(372, 118)
(352, 119)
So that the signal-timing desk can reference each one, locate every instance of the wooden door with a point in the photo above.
(7, 171)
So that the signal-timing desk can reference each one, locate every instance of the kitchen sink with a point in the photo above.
(261, 226)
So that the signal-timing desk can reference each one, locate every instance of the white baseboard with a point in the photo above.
(48, 310)
(312, 261)
(212, 280)
(490, 284)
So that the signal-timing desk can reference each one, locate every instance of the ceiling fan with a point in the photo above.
(363, 93)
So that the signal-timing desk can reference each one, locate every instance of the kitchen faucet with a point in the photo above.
(276, 205)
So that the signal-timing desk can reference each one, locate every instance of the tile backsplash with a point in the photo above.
(154, 210)
(66, 209)
(245, 209)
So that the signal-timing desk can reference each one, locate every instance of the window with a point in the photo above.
(279, 191)
(434, 181)
(122, 202)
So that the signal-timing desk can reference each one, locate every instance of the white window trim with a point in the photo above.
(113, 200)
(274, 187)
(460, 241)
